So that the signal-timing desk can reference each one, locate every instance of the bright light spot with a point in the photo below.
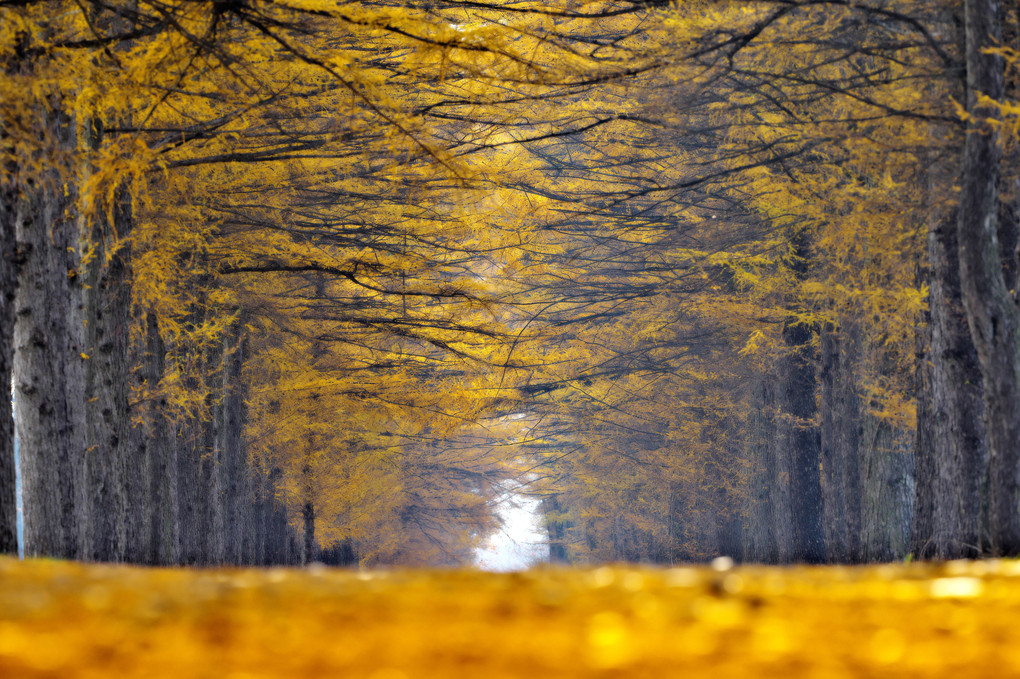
(521, 543)
(956, 588)
(722, 563)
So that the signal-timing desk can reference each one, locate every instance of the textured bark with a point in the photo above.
(952, 454)
(214, 477)
(759, 535)
(308, 541)
(280, 543)
(207, 538)
(48, 371)
(193, 480)
(113, 475)
(800, 454)
(840, 432)
(161, 544)
(923, 525)
(991, 312)
(235, 494)
(729, 527)
(8, 283)
(888, 491)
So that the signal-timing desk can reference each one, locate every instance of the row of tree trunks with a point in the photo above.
(188, 494)
(784, 517)
(827, 480)
(954, 490)
(106, 480)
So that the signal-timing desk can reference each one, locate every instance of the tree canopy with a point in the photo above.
(309, 280)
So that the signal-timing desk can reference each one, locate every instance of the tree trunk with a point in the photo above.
(923, 526)
(109, 431)
(803, 447)
(161, 541)
(232, 469)
(190, 446)
(48, 371)
(952, 457)
(991, 310)
(308, 544)
(279, 539)
(840, 432)
(8, 283)
(888, 476)
(759, 536)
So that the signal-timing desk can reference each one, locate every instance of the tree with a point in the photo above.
(991, 309)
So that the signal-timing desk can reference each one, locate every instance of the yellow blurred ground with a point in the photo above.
(960, 619)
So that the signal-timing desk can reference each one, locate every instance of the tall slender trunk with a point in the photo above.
(991, 310)
(111, 474)
(8, 283)
(308, 508)
(190, 448)
(231, 468)
(800, 450)
(280, 547)
(759, 537)
(208, 526)
(923, 525)
(953, 456)
(161, 543)
(48, 370)
(840, 430)
(308, 543)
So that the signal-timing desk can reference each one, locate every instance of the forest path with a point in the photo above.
(68, 620)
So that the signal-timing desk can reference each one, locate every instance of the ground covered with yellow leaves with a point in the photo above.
(68, 620)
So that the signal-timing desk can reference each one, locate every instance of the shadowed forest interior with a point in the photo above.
(308, 280)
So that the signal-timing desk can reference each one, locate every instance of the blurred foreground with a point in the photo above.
(69, 620)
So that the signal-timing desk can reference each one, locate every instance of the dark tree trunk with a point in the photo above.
(729, 527)
(232, 469)
(760, 535)
(111, 471)
(308, 542)
(991, 310)
(8, 283)
(801, 452)
(888, 486)
(191, 493)
(923, 526)
(161, 541)
(951, 454)
(48, 371)
(840, 431)
(280, 546)
(208, 524)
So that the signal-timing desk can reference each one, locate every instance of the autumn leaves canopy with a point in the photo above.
(287, 281)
